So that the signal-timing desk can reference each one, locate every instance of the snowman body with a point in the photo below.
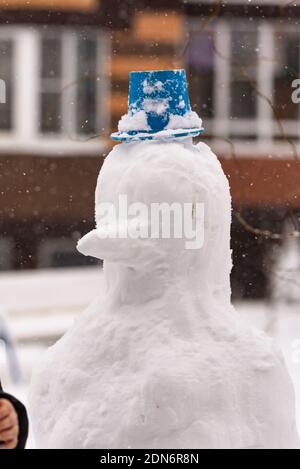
(162, 360)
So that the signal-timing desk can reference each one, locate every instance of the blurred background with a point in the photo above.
(64, 68)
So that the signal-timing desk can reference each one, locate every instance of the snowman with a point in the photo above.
(161, 359)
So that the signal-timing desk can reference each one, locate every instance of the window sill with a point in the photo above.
(53, 147)
(260, 149)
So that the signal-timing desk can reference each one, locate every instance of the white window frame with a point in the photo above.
(264, 126)
(25, 135)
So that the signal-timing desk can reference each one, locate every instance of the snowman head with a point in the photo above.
(151, 178)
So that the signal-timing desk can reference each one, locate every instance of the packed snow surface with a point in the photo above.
(187, 121)
(162, 360)
(157, 106)
(137, 121)
(133, 121)
(149, 88)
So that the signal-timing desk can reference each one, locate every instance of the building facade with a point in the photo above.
(65, 67)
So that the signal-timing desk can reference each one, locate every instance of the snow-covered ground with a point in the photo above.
(40, 306)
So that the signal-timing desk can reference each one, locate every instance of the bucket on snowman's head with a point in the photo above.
(159, 108)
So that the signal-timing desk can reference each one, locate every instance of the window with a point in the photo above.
(51, 85)
(241, 79)
(87, 85)
(6, 74)
(243, 74)
(58, 252)
(222, 64)
(201, 72)
(59, 76)
(286, 69)
(70, 83)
